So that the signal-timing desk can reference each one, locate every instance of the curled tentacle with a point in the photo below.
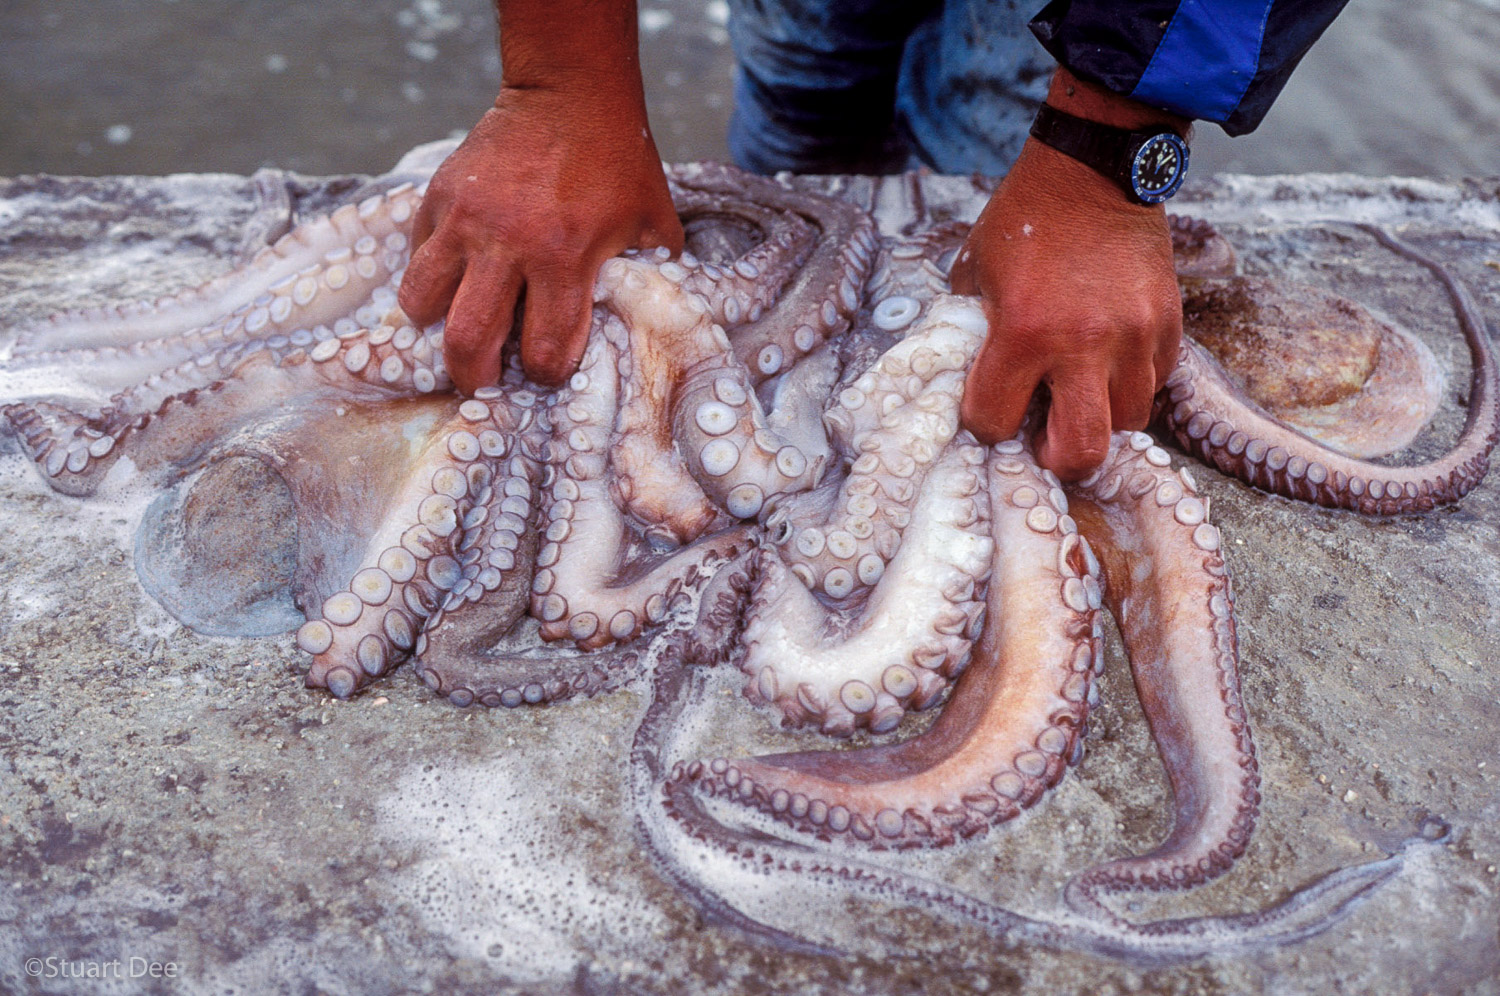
(680, 829)
(894, 421)
(443, 543)
(747, 247)
(476, 672)
(491, 663)
(189, 407)
(684, 403)
(823, 297)
(598, 583)
(864, 664)
(1211, 418)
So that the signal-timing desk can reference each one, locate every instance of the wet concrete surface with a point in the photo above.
(164, 86)
(183, 800)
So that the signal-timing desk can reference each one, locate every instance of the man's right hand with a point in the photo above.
(560, 176)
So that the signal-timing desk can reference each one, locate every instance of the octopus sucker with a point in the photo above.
(759, 464)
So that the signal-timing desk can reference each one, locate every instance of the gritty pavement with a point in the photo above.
(181, 801)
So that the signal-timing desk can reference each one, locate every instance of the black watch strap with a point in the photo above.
(1107, 150)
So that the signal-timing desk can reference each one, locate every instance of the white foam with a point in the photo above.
(495, 874)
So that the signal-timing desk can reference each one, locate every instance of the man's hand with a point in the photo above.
(561, 175)
(1080, 294)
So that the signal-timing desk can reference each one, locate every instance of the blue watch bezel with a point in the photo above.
(1157, 197)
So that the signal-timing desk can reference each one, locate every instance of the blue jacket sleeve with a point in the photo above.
(1215, 60)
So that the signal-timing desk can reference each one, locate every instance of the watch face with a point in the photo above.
(1159, 167)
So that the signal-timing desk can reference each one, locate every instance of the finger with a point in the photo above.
(427, 219)
(432, 277)
(997, 392)
(479, 323)
(1131, 394)
(1168, 350)
(963, 275)
(1076, 437)
(555, 329)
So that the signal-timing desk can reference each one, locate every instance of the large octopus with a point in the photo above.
(760, 461)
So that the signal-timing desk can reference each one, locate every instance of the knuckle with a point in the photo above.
(549, 362)
(466, 338)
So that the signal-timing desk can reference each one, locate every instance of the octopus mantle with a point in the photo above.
(759, 462)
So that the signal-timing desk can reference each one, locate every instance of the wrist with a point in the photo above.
(1071, 187)
(576, 46)
(1139, 151)
(603, 105)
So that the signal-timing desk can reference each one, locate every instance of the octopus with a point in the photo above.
(758, 464)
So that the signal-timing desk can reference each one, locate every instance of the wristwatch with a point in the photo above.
(1148, 165)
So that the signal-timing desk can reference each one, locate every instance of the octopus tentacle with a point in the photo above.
(74, 451)
(739, 287)
(437, 548)
(729, 446)
(1211, 418)
(1198, 250)
(1014, 722)
(318, 271)
(171, 421)
(473, 669)
(899, 648)
(898, 417)
(795, 402)
(390, 356)
(478, 674)
(914, 268)
(678, 826)
(585, 590)
(685, 393)
(715, 637)
(657, 334)
(823, 297)
(1177, 620)
(496, 554)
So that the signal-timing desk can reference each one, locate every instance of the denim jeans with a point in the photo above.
(880, 86)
